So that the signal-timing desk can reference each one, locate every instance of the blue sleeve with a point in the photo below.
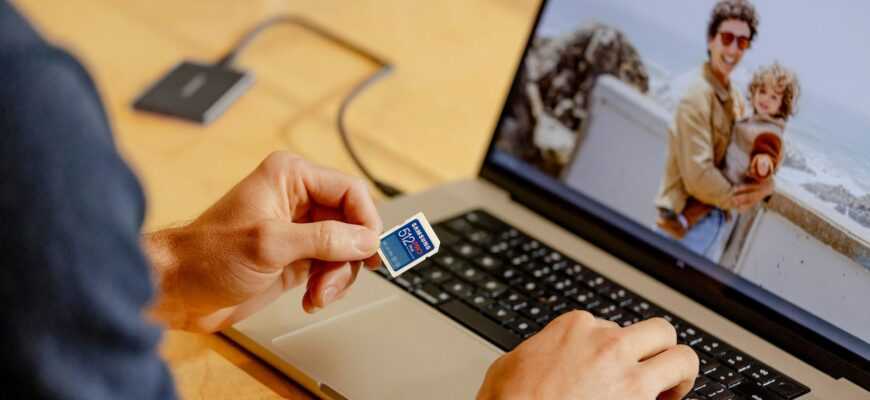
(74, 282)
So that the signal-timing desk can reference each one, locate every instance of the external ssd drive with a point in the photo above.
(195, 92)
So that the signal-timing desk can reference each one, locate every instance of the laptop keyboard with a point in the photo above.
(506, 286)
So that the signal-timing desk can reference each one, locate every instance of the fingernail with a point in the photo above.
(365, 241)
(329, 294)
(314, 310)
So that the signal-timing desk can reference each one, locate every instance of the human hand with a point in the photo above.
(579, 357)
(762, 166)
(286, 223)
(746, 196)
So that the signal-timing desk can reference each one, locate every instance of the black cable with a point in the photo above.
(385, 69)
(385, 188)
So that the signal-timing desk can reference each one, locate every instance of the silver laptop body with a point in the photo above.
(382, 342)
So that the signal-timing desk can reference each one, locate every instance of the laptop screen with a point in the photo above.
(736, 131)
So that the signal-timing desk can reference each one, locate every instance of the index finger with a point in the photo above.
(650, 337)
(671, 373)
(334, 189)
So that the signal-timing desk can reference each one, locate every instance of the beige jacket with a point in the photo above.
(698, 139)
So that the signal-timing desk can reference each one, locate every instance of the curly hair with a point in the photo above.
(741, 10)
(782, 80)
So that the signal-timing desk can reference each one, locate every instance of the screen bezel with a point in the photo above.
(668, 262)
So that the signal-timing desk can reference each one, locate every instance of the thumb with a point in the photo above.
(331, 241)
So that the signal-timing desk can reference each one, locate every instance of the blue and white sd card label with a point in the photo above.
(408, 245)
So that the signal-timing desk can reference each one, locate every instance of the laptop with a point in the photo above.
(562, 217)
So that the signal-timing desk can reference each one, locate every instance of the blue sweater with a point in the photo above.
(74, 282)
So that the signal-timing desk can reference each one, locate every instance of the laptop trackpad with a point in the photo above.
(392, 349)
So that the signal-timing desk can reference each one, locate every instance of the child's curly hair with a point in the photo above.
(782, 80)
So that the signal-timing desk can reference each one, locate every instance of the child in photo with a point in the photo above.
(756, 148)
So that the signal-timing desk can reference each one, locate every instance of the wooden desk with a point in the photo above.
(427, 123)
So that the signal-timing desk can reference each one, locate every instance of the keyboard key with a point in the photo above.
(552, 257)
(486, 221)
(513, 248)
(707, 364)
(530, 245)
(687, 334)
(593, 281)
(549, 299)
(539, 271)
(540, 254)
(444, 259)
(471, 274)
(404, 283)
(499, 247)
(761, 374)
(549, 280)
(700, 382)
(536, 312)
(607, 311)
(500, 314)
(574, 270)
(621, 297)
(560, 266)
(644, 309)
(491, 286)
(531, 288)
(711, 390)
(435, 275)
(414, 277)
(466, 250)
(605, 289)
(514, 300)
(446, 237)
(523, 327)
(713, 347)
(510, 233)
(735, 360)
(788, 388)
(458, 288)
(676, 322)
(481, 238)
(519, 260)
(754, 392)
(477, 322)
(460, 226)
(724, 395)
(511, 276)
(587, 300)
(564, 286)
(626, 319)
(726, 376)
(488, 262)
(458, 269)
(432, 294)
(481, 302)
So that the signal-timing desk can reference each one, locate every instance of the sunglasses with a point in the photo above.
(727, 38)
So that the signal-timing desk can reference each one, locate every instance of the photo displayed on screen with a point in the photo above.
(739, 130)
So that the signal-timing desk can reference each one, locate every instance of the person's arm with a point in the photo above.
(766, 155)
(289, 222)
(74, 283)
(695, 157)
